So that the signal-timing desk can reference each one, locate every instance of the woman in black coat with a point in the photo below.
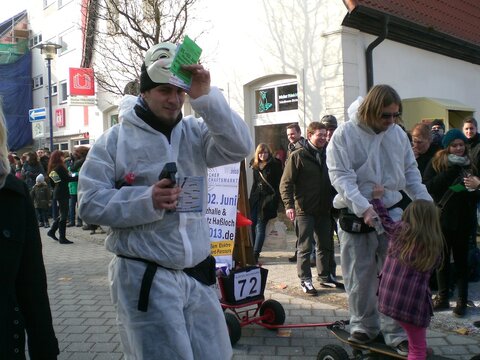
(264, 195)
(24, 305)
(447, 173)
(59, 179)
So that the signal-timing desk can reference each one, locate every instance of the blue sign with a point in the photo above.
(37, 114)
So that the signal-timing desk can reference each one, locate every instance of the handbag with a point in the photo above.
(266, 182)
(54, 176)
(351, 223)
(270, 205)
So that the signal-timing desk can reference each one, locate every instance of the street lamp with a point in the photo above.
(49, 50)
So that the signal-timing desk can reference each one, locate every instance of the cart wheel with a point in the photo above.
(234, 327)
(332, 352)
(274, 312)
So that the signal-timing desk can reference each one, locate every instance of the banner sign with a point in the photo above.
(82, 82)
(221, 211)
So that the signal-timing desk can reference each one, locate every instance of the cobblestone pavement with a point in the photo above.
(84, 317)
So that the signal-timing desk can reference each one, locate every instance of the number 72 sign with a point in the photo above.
(247, 284)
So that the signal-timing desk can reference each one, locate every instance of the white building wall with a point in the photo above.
(305, 40)
(264, 40)
(249, 44)
(416, 73)
(62, 25)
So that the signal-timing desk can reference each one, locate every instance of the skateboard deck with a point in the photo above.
(377, 346)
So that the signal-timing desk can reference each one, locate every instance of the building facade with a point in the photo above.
(277, 62)
(77, 120)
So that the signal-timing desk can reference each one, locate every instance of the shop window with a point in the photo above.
(279, 98)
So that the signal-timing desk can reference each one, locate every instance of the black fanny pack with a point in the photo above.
(203, 272)
(351, 223)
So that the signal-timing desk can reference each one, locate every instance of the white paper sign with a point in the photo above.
(247, 284)
(191, 197)
(221, 210)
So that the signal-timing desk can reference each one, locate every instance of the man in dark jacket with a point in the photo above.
(306, 192)
(470, 130)
(295, 138)
(295, 141)
(422, 145)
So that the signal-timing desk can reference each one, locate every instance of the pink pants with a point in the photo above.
(417, 341)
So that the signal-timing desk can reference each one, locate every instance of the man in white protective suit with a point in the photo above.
(162, 270)
(367, 150)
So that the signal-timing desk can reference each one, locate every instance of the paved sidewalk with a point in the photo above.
(84, 317)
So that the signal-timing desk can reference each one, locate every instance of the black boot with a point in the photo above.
(440, 303)
(460, 308)
(62, 229)
(53, 229)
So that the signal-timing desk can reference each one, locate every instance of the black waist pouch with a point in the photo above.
(204, 271)
(351, 223)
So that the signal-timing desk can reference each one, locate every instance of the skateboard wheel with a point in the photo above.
(332, 352)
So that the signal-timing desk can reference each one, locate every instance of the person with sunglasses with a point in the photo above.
(370, 149)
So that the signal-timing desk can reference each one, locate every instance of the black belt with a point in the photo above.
(403, 203)
(203, 272)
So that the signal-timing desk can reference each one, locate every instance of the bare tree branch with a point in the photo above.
(125, 29)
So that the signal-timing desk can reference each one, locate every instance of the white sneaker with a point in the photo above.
(308, 288)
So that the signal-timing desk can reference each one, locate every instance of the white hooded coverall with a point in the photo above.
(357, 159)
(184, 319)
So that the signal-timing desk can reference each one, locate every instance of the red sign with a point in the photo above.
(82, 82)
(60, 117)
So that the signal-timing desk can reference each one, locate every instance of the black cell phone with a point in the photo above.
(169, 171)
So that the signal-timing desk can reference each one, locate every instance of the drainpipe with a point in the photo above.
(371, 46)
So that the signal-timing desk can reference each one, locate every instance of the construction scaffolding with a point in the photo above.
(10, 53)
(14, 35)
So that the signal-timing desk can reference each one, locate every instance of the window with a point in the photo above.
(47, 3)
(62, 40)
(37, 81)
(278, 98)
(265, 100)
(287, 97)
(113, 119)
(62, 3)
(66, 39)
(35, 40)
(63, 92)
(54, 90)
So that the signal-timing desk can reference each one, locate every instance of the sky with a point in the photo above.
(11, 8)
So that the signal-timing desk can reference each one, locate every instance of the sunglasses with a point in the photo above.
(390, 115)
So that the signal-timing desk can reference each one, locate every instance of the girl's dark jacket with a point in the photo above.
(459, 213)
(261, 195)
(60, 189)
(24, 305)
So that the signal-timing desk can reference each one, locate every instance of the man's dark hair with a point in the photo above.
(293, 126)
(471, 120)
(314, 126)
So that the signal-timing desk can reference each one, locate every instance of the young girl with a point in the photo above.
(415, 249)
